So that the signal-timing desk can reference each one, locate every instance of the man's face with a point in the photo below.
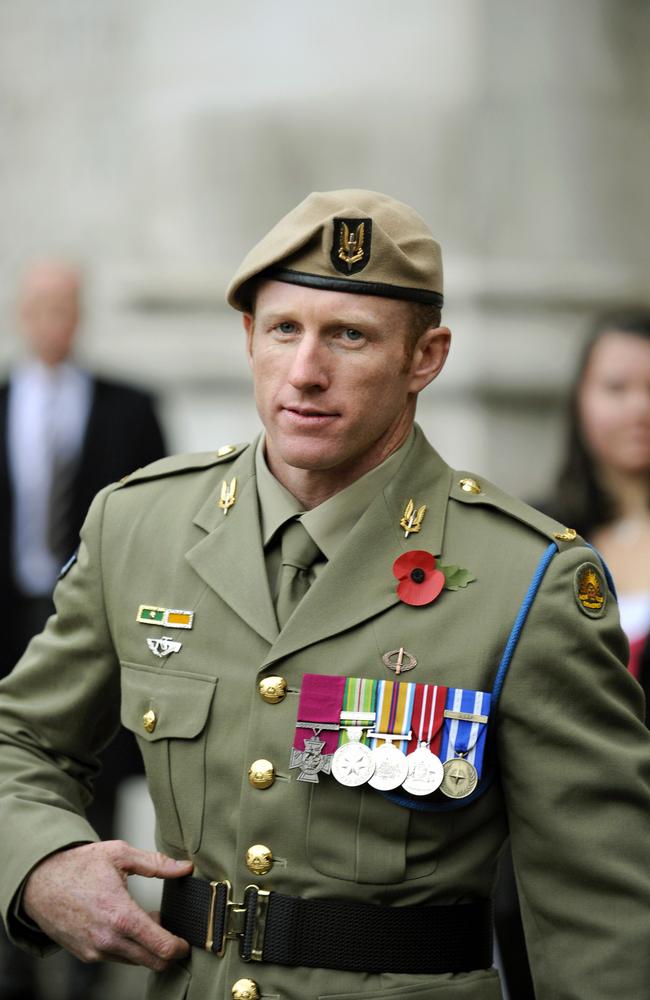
(50, 311)
(335, 385)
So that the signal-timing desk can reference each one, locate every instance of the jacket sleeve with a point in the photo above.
(575, 764)
(58, 708)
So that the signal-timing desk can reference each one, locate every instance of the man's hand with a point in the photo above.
(78, 897)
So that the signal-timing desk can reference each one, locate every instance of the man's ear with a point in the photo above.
(249, 323)
(429, 357)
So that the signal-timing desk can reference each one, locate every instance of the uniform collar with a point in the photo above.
(331, 521)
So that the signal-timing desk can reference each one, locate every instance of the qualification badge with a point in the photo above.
(164, 646)
(399, 660)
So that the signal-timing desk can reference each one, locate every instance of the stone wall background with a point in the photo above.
(155, 141)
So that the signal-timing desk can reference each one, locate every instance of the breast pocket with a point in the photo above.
(358, 835)
(168, 710)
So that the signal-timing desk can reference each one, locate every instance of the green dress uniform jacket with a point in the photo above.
(572, 751)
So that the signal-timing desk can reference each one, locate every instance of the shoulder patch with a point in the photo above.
(469, 488)
(178, 464)
(590, 590)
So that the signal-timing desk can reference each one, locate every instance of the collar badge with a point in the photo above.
(228, 495)
(412, 520)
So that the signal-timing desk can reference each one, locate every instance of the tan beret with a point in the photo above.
(347, 241)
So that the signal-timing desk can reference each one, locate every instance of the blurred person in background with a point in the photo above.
(603, 491)
(64, 434)
(603, 488)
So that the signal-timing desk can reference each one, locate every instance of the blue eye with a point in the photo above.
(351, 334)
(286, 327)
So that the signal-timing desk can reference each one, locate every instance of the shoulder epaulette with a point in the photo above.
(471, 489)
(178, 464)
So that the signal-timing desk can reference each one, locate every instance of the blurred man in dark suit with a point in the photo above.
(64, 434)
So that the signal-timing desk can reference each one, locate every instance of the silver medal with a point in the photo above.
(353, 763)
(425, 772)
(391, 767)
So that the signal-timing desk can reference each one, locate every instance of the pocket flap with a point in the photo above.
(173, 703)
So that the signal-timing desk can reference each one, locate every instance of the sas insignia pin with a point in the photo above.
(590, 590)
(412, 520)
(171, 617)
(228, 495)
(351, 244)
(163, 646)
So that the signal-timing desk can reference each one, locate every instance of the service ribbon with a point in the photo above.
(394, 711)
(321, 697)
(359, 698)
(427, 717)
(465, 726)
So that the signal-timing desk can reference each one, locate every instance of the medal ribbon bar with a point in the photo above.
(394, 711)
(321, 697)
(359, 706)
(427, 718)
(461, 738)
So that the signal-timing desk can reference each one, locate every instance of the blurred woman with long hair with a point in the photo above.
(603, 488)
(603, 491)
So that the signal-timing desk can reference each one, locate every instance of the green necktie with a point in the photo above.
(299, 551)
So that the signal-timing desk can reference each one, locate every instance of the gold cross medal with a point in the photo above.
(228, 495)
(412, 518)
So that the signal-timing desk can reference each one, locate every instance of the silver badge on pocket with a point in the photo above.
(164, 646)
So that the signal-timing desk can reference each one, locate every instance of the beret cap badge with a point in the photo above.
(351, 244)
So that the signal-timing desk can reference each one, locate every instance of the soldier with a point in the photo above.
(350, 670)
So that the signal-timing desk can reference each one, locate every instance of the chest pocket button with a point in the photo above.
(149, 720)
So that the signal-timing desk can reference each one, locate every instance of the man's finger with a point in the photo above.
(150, 864)
(136, 925)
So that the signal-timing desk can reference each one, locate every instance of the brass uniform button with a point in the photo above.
(259, 859)
(469, 486)
(261, 773)
(246, 989)
(226, 449)
(273, 689)
(149, 720)
(568, 535)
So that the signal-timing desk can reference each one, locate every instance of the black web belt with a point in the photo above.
(329, 933)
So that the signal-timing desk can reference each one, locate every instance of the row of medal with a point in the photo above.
(391, 734)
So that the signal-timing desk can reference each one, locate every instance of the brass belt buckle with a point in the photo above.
(230, 921)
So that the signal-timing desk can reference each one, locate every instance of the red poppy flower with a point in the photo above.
(420, 581)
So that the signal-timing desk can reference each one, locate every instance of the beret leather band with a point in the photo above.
(354, 287)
